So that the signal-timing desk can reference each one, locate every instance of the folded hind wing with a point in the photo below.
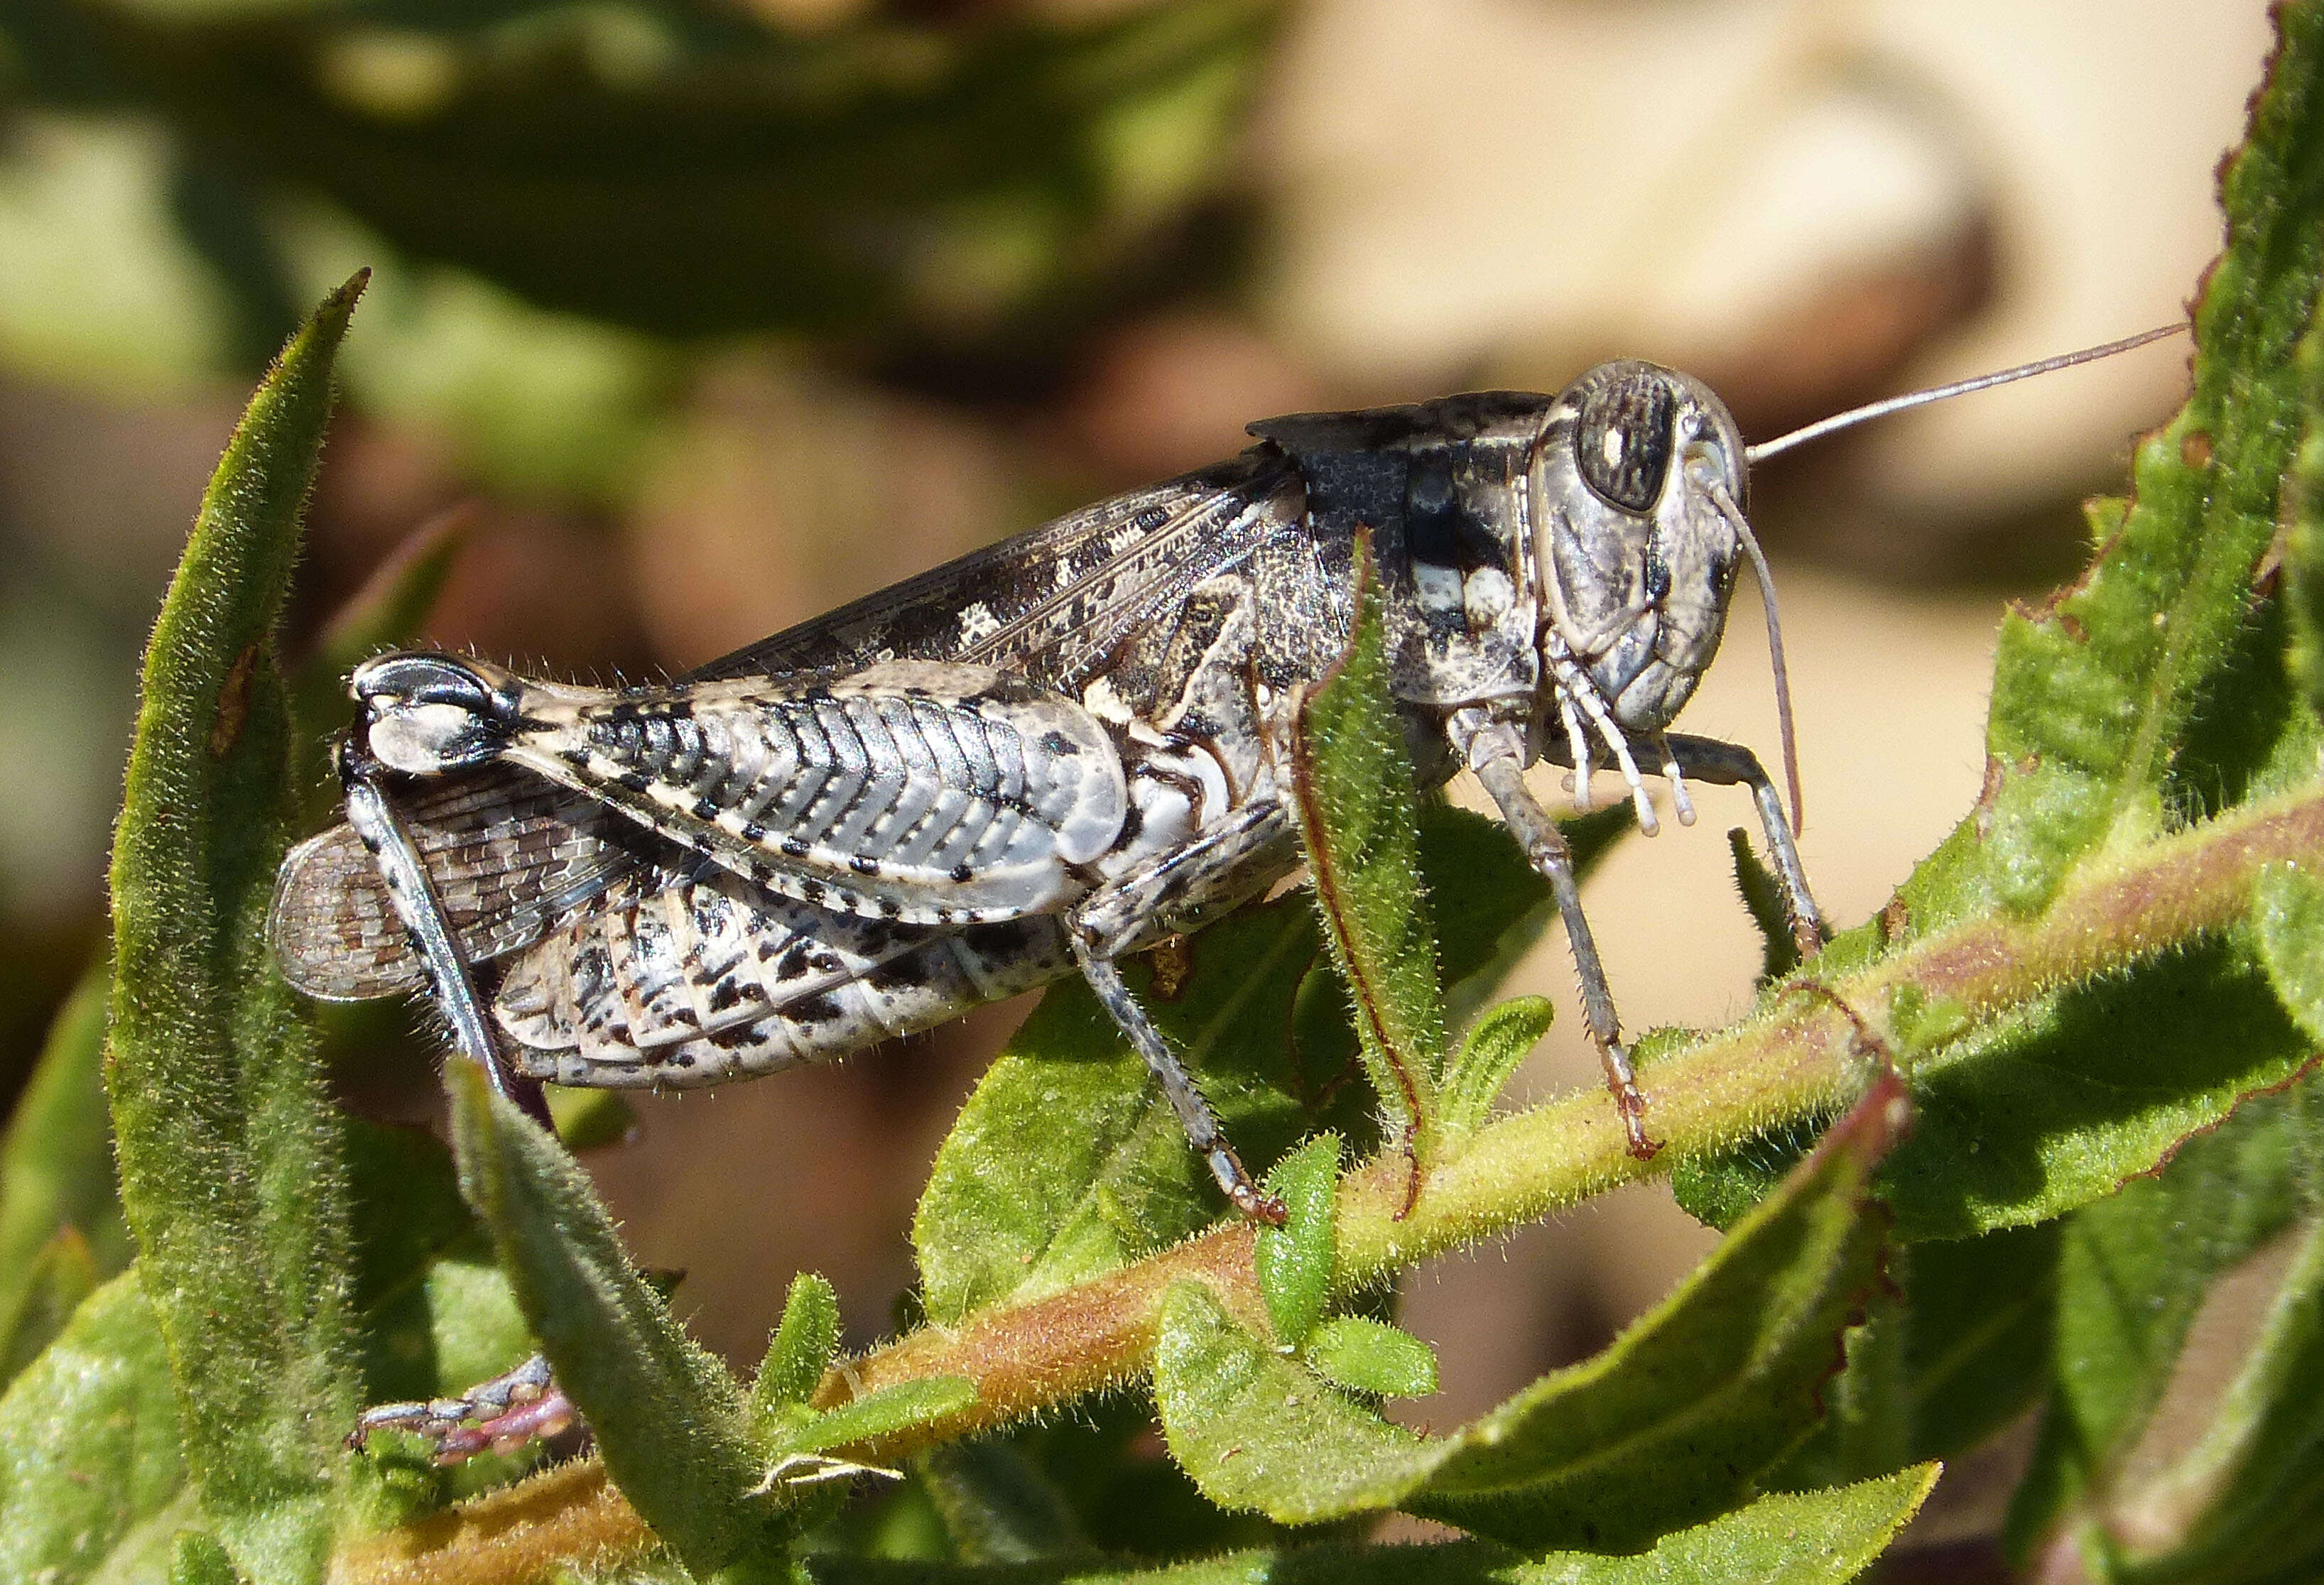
(509, 856)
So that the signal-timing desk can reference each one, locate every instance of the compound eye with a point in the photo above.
(1622, 440)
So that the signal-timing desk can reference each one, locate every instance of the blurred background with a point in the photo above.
(693, 319)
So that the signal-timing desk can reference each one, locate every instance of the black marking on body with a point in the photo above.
(819, 1008)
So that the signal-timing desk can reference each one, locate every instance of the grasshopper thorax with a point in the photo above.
(1637, 533)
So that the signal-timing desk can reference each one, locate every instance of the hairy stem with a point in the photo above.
(1804, 1052)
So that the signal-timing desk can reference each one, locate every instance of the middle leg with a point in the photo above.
(1160, 893)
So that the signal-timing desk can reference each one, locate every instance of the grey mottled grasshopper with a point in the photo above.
(1048, 755)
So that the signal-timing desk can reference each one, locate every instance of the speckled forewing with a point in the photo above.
(915, 791)
(668, 980)
(509, 855)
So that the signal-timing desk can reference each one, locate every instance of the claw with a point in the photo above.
(500, 1415)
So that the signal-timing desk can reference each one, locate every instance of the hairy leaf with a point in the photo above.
(91, 1476)
(1066, 1162)
(1019, 1206)
(2133, 1271)
(436, 1314)
(668, 1420)
(1666, 1428)
(881, 1412)
(997, 1507)
(2288, 918)
(56, 1171)
(1764, 898)
(2094, 689)
(1358, 818)
(1369, 1356)
(1488, 1058)
(1976, 1343)
(1669, 1425)
(197, 1559)
(1504, 904)
(2247, 1501)
(2056, 1107)
(228, 1148)
(1815, 1538)
(1293, 1262)
(1259, 1430)
(799, 1350)
(2303, 545)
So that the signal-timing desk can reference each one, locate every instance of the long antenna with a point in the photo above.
(1733, 514)
(1760, 453)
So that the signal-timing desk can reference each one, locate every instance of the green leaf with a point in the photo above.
(1259, 1430)
(91, 1476)
(1504, 904)
(56, 1171)
(2133, 1271)
(227, 1142)
(1670, 1424)
(1665, 1429)
(2056, 1105)
(1718, 1190)
(693, 176)
(435, 1313)
(590, 1119)
(1126, 1494)
(1488, 1058)
(55, 1283)
(197, 1559)
(904, 1405)
(1018, 1206)
(1065, 1162)
(1295, 1261)
(800, 1352)
(1359, 817)
(997, 1507)
(1955, 1349)
(1369, 1356)
(2304, 544)
(2094, 689)
(2247, 1501)
(1814, 1538)
(1977, 1345)
(1764, 898)
(1866, 1422)
(2288, 918)
(668, 1420)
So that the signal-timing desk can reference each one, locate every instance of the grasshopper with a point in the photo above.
(1051, 753)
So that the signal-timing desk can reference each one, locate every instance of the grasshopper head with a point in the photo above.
(425, 714)
(1636, 552)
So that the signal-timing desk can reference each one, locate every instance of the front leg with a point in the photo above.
(1728, 764)
(1494, 751)
(371, 813)
(1117, 916)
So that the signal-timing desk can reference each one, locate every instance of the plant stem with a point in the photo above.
(1802, 1054)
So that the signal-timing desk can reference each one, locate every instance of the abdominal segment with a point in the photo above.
(667, 980)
